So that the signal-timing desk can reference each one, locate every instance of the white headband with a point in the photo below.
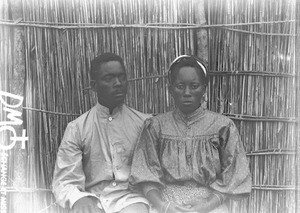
(188, 56)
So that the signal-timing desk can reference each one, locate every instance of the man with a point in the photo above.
(94, 158)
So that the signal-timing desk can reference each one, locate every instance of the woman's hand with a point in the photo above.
(205, 205)
(154, 196)
(170, 207)
(199, 206)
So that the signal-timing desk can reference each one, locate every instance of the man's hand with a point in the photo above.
(86, 205)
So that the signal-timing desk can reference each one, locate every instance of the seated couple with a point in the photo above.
(116, 159)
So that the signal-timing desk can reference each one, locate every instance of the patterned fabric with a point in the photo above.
(95, 156)
(220, 209)
(182, 194)
(187, 192)
(203, 147)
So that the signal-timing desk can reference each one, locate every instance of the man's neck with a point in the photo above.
(110, 108)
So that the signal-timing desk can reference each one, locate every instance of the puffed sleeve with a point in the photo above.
(68, 182)
(234, 179)
(146, 169)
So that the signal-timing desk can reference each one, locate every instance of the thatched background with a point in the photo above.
(252, 68)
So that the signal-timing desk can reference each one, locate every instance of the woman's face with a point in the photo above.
(187, 89)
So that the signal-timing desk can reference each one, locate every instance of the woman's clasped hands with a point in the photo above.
(203, 206)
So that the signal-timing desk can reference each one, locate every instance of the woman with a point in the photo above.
(190, 159)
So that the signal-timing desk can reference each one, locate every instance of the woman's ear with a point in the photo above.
(204, 99)
(204, 89)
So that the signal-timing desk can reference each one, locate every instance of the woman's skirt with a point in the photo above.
(188, 192)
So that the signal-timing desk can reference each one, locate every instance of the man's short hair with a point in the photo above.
(103, 58)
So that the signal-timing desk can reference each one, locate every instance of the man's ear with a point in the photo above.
(170, 89)
(93, 85)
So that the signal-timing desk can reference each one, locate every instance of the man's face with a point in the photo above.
(110, 84)
(187, 89)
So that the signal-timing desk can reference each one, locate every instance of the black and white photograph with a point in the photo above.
(149, 106)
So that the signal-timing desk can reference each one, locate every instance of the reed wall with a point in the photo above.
(249, 46)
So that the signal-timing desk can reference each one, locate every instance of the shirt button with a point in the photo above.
(114, 183)
(110, 118)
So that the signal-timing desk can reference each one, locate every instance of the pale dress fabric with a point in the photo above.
(203, 147)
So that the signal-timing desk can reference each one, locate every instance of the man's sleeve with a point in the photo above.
(69, 180)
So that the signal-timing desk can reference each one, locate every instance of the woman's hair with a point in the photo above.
(188, 61)
(99, 60)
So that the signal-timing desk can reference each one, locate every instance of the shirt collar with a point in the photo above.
(104, 111)
(191, 117)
